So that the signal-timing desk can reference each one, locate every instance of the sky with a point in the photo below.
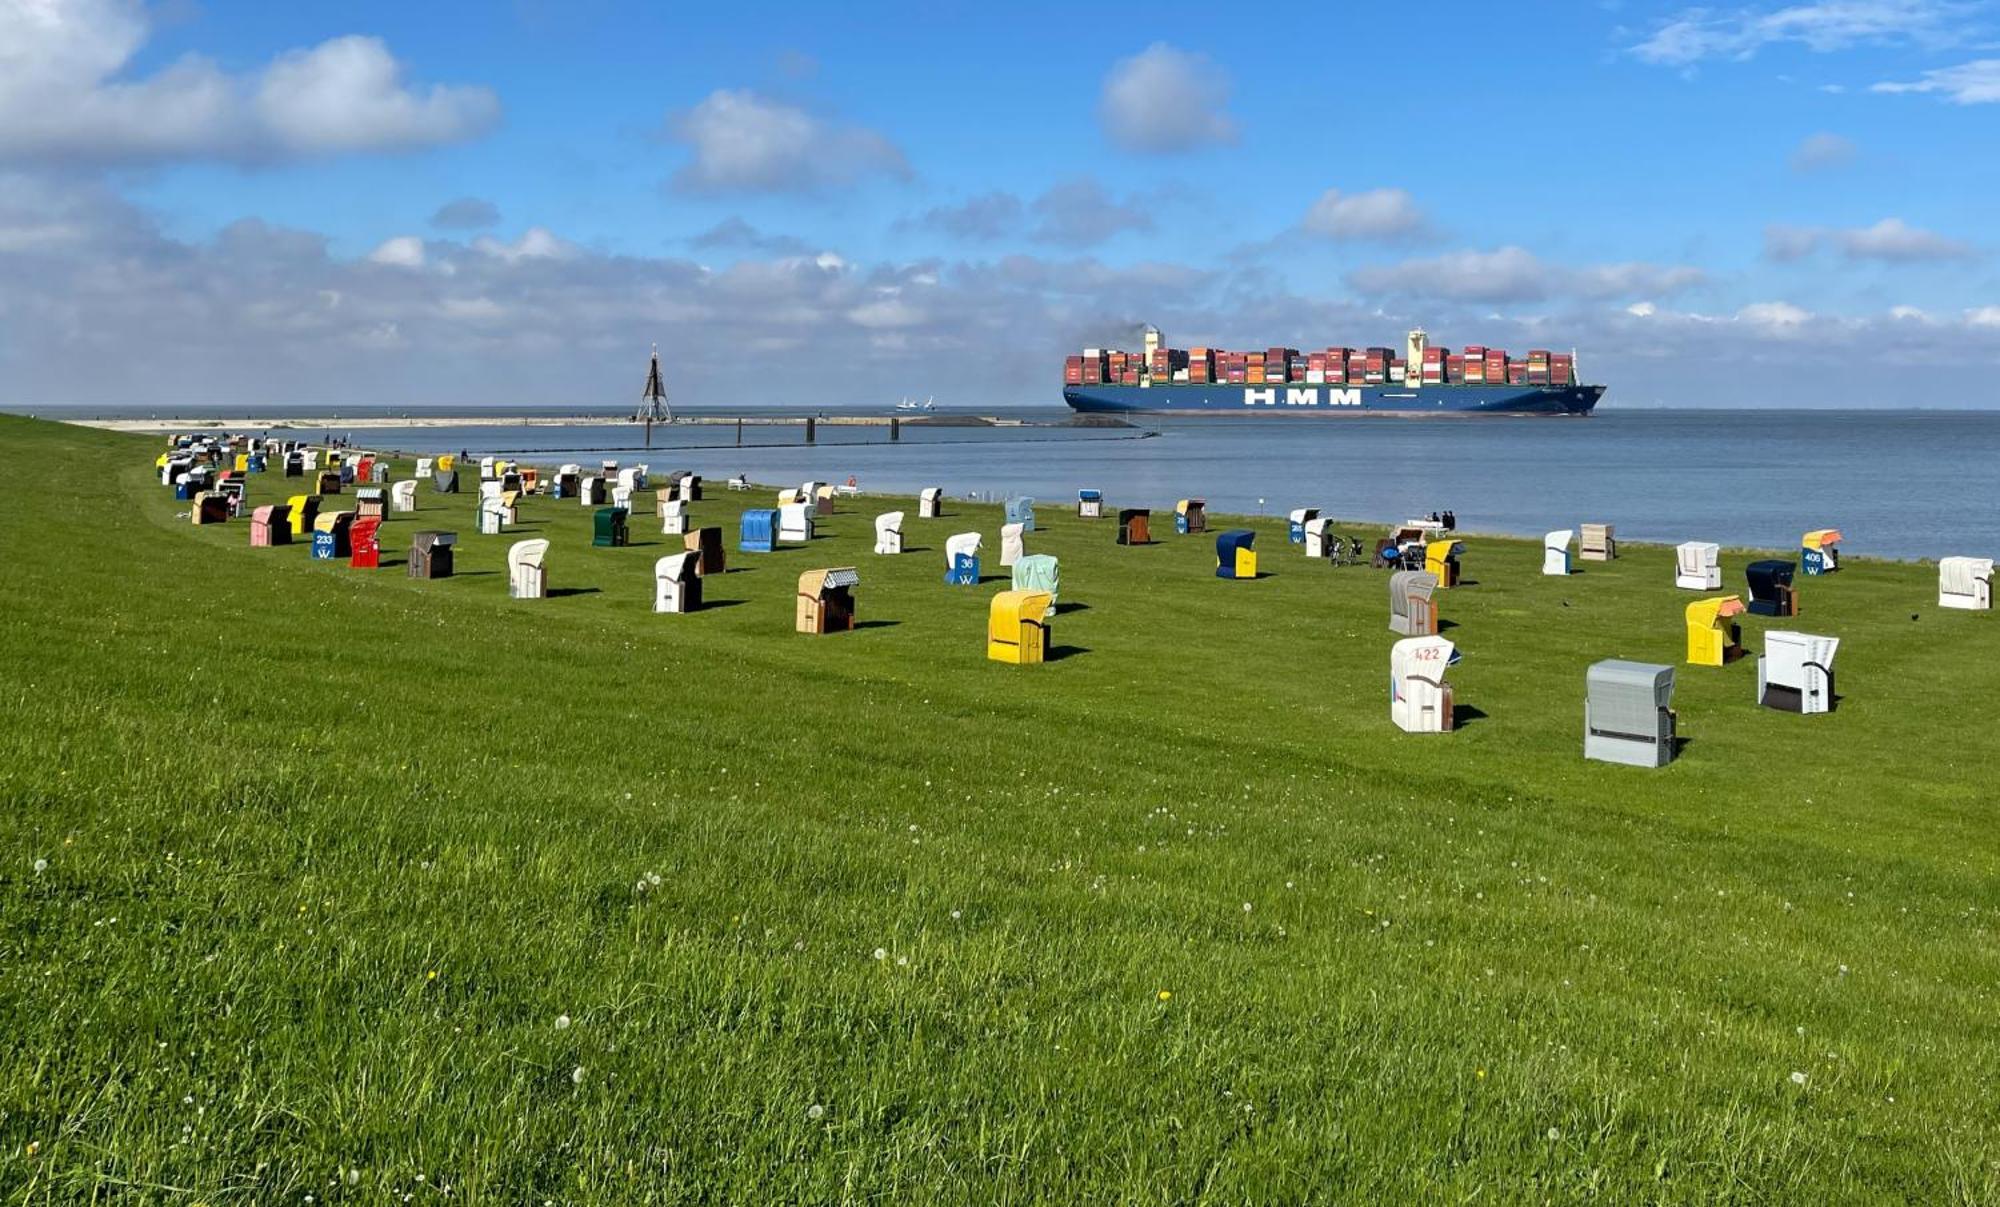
(509, 203)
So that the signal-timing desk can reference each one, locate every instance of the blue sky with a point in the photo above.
(874, 200)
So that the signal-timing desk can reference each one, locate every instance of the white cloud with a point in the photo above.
(1778, 316)
(1642, 310)
(1974, 83)
(1384, 214)
(403, 251)
(1912, 314)
(466, 213)
(535, 243)
(1164, 100)
(1696, 34)
(1891, 240)
(1079, 213)
(743, 142)
(64, 96)
(1514, 274)
(1984, 316)
(1821, 151)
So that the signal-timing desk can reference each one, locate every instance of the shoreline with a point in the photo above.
(430, 422)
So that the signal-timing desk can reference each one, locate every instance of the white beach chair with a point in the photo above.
(889, 532)
(527, 575)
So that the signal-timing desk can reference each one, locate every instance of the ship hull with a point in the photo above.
(1392, 400)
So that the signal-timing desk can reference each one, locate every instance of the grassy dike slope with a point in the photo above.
(1179, 917)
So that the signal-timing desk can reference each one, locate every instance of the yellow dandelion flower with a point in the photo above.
(1480, 1074)
(434, 976)
(1166, 995)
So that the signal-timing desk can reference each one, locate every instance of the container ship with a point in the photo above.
(1474, 380)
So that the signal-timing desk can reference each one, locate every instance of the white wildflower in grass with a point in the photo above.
(653, 878)
(815, 1112)
(576, 1075)
(1555, 1133)
(1798, 1078)
(562, 1022)
(902, 961)
(955, 915)
(881, 953)
(1246, 907)
(41, 865)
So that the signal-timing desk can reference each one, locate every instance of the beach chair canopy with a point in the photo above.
(1965, 582)
(1039, 572)
(966, 543)
(1089, 496)
(1821, 538)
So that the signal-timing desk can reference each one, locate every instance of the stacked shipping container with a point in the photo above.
(1475, 364)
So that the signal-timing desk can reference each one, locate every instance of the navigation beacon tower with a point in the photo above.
(654, 396)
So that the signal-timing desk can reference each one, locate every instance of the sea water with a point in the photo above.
(1903, 484)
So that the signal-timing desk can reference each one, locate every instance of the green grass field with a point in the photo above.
(327, 882)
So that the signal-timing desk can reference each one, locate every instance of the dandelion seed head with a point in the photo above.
(881, 953)
(562, 1022)
(1798, 1078)
(815, 1112)
(576, 1075)
(41, 865)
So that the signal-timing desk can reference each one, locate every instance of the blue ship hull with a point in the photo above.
(1404, 400)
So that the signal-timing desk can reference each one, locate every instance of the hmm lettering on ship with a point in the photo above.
(1306, 396)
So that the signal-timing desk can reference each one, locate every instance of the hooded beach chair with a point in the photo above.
(332, 535)
(930, 503)
(1012, 548)
(1441, 559)
(621, 497)
(822, 499)
(1135, 526)
(1555, 551)
(430, 554)
(889, 532)
(1963, 582)
(961, 560)
(527, 569)
(1628, 713)
(609, 528)
(1714, 638)
(209, 507)
(1698, 566)
(1412, 610)
(1600, 544)
(1017, 630)
(795, 522)
(759, 531)
(1021, 511)
(1039, 572)
(673, 518)
(444, 481)
(1190, 516)
(1419, 693)
(492, 516)
(1234, 557)
(329, 482)
(630, 479)
(364, 543)
(486, 473)
(302, 510)
(423, 467)
(739, 483)
(826, 600)
(1819, 552)
(1795, 672)
(531, 479)
(371, 502)
(1320, 537)
(708, 543)
(689, 486)
(676, 585)
(590, 492)
(568, 482)
(1295, 526)
(403, 496)
(1089, 504)
(1771, 592)
(270, 525)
